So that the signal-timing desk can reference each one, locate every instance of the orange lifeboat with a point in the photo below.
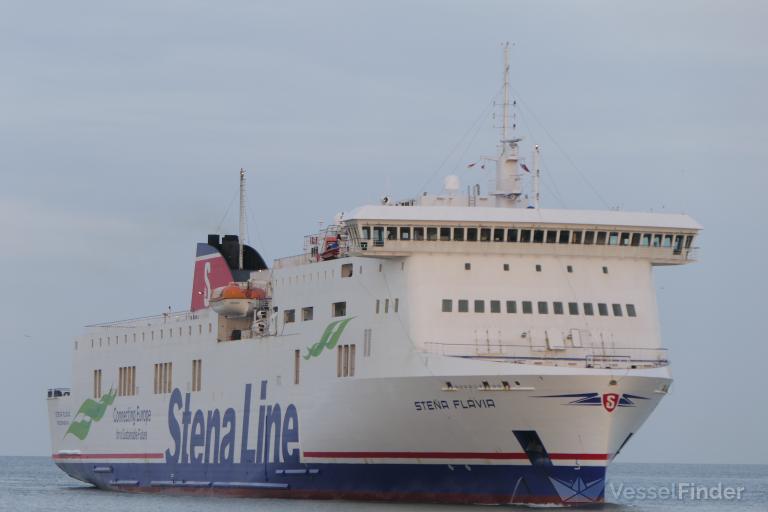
(230, 300)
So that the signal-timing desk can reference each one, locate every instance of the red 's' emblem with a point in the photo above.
(610, 401)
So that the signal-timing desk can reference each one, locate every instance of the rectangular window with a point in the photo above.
(657, 240)
(543, 308)
(418, 233)
(635, 240)
(538, 236)
(289, 316)
(345, 361)
(197, 374)
(589, 309)
(527, 307)
(352, 350)
(617, 310)
(678, 244)
(471, 234)
(163, 378)
(386, 306)
(366, 233)
(296, 365)
(126, 381)
(645, 241)
(479, 306)
(573, 308)
(339, 360)
(589, 237)
(458, 234)
(307, 313)
(339, 309)
(688, 241)
(601, 237)
(525, 235)
(551, 237)
(405, 233)
(96, 384)
(495, 306)
(485, 234)
(667, 241)
(625, 238)
(511, 306)
(602, 308)
(463, 306)
(397, 305)
(498, 235)
(378, 306)
(557, 308)
(391, 233)
(565, 237)
(631, 310)
(613, 238)
(445, 234)
(432, 234)
(511, 235)
(576, 239)
(347, 269)
(447, 305)
(367, 342)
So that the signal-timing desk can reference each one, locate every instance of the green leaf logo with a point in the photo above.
(90, 411)
(329, 339)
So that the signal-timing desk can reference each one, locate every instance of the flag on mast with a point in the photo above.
(525, 167)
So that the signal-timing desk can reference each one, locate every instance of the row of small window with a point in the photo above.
(160, 333)
(308, 313)
(395, 306)
(542, 307)
(551, 236)
(163, 379)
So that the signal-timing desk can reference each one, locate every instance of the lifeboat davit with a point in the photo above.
(231, 300)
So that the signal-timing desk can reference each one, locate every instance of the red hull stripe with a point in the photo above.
(58, 456)
(450, 455)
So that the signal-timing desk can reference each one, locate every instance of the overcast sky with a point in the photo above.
(123, 126)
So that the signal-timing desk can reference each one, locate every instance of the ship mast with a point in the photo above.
(508, 190)
(505, 120)
(242, 218)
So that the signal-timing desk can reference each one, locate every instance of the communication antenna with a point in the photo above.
(242, 218)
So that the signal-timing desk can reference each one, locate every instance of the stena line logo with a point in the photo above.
(329, 339)
(610, 401)
(90, 411)
(220, 437)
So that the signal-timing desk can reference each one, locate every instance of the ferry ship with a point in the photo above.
(458, 347)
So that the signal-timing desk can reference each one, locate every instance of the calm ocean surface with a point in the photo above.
(34, 483)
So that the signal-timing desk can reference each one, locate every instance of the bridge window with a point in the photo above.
(458, 234)
(576, 239)
(625, 239)
(551, 236)
(667, 241)
(565, 236)
(485, 234)
(405, 233)
(635, 240)
(447, 305)
(616, 309)
(391, 233)
(657, 240)
(495, 306)
(678, 244)
(511, 306)
(538, 236)
(688, 241)
(463, 306)
(471, 234)
(479, 306)
(602, 308)
(613, 239)
(432, 234)
(339, 308)
(511, 235)
(631, 310)
(589, 238)
(589, 309)
(289, 316)
(307, 313)
(366, 233)
(557, 307)
(543, 308)
(645, 240)
(498, 235)
(418, 234)
(525, 235)
(378, 234)
(527, 307)
(601, 237)
(573, 308)
(445, 234)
